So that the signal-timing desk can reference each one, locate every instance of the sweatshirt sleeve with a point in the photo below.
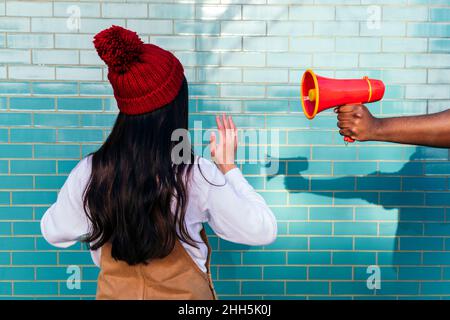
(65, 222)
(235, 211)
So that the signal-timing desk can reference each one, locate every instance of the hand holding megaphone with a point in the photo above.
(356, 121)
(321, 93)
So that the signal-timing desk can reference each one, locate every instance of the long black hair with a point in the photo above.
(128, 199)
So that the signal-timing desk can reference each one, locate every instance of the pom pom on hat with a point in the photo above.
(144, 77)
(118, 47)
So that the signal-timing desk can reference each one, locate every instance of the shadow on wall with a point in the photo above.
(409, 213)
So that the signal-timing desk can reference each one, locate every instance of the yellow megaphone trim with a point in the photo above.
(370, 88)
(316, 89)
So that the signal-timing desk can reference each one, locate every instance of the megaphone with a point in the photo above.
(321, 93)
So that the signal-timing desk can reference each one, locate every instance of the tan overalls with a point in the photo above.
(174, 277)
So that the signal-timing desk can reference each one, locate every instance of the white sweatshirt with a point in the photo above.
(233, 210)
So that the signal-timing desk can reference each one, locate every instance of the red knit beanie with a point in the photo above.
(144, 77)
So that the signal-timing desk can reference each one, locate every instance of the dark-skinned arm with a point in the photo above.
(432, 130)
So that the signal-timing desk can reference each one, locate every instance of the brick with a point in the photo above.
(290, 28)
(31, 41)
(31, 72)
(227, 287)
(285, 273)
(384, 59)
(354, 258)
(80, 104)
(15, 56)
(310, 228)
(14, 24)
(34, 258)
(331, 243)
(36, 288)
(17, 243)
(336, 28)
(439, 45)
(56, 120)
(268, 76)
(171, 11)
(33, 135)
(232, 273)
(314, 45)
(432, 30)
(195, 27)
(264, 258)
(307, 287)
(330, 273)
(405, 14)
(268, 12)
(404, 45)
(440, 288)
(439, 14)
(34, 166)
(427, 92)
(154, 27)
(76, 135)
(243, 28)
(220, 75)
(439, 76)
(128, 10)
(223, 43)
(174, 42)
(262, 287)
(218, 12)
(28, 8)
(358, 44)
(73, 41)
(76, 73)
(65, 9)
(313, 13)
(309, 258)
(427, 60)
(355, 228)
(421, 243)
(265, 43)
(54, 88)
(387, 28)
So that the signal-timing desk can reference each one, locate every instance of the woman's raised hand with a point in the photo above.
(223, 152)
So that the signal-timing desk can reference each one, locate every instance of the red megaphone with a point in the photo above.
(321, 93)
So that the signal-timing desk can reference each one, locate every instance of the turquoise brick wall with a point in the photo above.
(340, 208)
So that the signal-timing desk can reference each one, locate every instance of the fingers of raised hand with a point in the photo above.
(234, 129)
(220, 128)
(213, 144)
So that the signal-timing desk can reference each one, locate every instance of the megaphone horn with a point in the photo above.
(321, 93)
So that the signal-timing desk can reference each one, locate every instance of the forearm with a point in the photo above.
(431, 130)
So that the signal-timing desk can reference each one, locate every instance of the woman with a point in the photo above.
(141, 212)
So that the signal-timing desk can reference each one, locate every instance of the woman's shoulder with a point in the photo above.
(82, 170)
(85, 164)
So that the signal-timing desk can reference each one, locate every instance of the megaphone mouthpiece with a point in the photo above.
(312, 95)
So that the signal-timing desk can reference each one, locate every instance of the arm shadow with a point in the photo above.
(395, 199)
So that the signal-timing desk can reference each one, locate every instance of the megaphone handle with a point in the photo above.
(348, 139)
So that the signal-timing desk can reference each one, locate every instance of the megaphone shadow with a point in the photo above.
(393, 206)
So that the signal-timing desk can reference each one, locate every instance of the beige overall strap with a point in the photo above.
(208, 260)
